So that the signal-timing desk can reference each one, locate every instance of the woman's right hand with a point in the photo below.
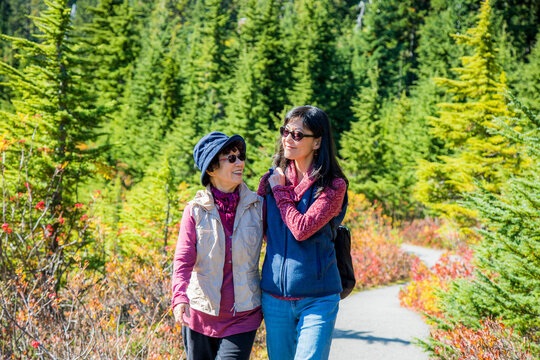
(179, 311)
(277, 178)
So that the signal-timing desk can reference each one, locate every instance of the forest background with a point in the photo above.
(102, 101)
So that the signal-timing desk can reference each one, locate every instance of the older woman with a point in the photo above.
(216, 293)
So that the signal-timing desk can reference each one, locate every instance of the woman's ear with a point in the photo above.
(317, 143)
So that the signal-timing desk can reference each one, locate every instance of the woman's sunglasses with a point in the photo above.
(232, 158)
(297, 135)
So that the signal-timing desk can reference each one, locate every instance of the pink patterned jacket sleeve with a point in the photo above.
(184, 258)
(323, 209)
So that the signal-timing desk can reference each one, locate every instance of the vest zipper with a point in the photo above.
(319, 270)
(283, 268)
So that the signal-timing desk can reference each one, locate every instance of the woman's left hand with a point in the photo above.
(277, 178)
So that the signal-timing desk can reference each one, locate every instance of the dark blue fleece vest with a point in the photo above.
(295, 268)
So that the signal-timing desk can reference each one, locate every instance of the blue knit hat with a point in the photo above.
(209, 146)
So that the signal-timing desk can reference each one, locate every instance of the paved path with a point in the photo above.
(371, 325)
(428, 256)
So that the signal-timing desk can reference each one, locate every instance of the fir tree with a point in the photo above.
(114, 42)
(404, 141)
(361, 145)
(527, 83)
(50, 92)
(257, 95)
(507, 282)
(317, 72)
(151, 102)
(205, 71)
(57, 118)
(476, 154)
(389, 32)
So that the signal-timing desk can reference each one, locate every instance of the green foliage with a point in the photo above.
(380, 152)
(151, 103)
(507, 284)
(113, 39)
(528, 80)
(389, 38)
(257, 87)
(463, 124)
(52, 105)
(146, 219)
(317, 74)
(360, 145)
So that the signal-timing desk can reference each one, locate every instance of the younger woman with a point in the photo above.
(304, 201)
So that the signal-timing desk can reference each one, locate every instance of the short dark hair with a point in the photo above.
(214, 164)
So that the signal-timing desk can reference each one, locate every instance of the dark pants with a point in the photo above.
(202, 347)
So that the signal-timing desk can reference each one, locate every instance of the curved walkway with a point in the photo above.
(371, 324)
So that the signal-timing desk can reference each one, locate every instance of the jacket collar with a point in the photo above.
(205, 199)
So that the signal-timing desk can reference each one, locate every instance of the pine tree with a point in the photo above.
(114, 42)
(404, 141)
(318, 75)
(151, 103)
(389, 38)
(381, 150)
(527, 84)
(257, 95)
(437, 52)
(57, 118)
(361, 145)
(507, 282)
(52, 100)
(205, 69)
(476, 154)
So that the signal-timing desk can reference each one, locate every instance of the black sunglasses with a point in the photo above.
(232, 158)
(297, 135)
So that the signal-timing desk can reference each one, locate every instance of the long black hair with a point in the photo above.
(325, 164)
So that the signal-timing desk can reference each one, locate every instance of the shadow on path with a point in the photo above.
(363, 335)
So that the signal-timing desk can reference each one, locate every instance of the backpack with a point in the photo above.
(342, 246)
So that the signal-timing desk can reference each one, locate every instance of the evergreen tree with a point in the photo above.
(113, 37)
(404, 141)
(520, 21)
(476, 154)
(56, 116)
(361, 149)
(15, 21)
(51, 96)
(381, 150)
(389, 39)
(206, 66)
(151, 103)
(257, 95)
(507, 282)
(205, 69)
(527, 80)
(147, 216)
(317, 76)
(437, 51)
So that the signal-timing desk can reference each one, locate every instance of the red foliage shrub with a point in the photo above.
(377, 258)
(123, 313)
(491, 341)
(420, 293)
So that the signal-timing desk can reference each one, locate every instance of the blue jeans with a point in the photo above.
(299, 329)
